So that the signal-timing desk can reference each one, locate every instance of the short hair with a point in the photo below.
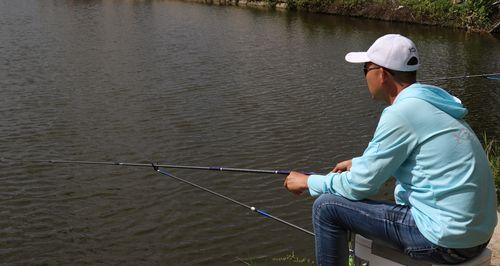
(403, 76)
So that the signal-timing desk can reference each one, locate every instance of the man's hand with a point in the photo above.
(296, 182)
(342, 166)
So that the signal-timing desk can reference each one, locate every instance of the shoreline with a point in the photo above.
(484, 18)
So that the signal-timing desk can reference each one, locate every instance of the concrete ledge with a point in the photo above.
(494, 244)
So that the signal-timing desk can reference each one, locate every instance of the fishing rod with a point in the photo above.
(493, 76)
(211, 168)
(253, 209)
(157, 168)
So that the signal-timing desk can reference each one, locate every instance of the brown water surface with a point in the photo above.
(174, 82)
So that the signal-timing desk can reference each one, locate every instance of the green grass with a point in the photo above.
(476, 14)
(292, 258)
(492, 149)
(468, 14)
(286, 260)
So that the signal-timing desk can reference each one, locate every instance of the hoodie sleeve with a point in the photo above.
(393, 141)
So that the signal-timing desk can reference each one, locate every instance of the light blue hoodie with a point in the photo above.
(441, 169)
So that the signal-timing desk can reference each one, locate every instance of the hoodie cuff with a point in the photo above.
(316, 184)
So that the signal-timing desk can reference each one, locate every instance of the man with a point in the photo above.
(445, 209)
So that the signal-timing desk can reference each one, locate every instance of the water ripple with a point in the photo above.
(182, 83)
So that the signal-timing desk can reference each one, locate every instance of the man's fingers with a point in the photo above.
(296, 183)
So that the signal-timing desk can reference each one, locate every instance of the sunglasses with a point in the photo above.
(366, 69)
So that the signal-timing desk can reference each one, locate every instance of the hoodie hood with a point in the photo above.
(436, 96)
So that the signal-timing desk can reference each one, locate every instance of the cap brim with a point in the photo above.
(357, 57)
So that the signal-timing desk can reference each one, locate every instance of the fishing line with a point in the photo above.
(253, 209)
(211, 168)
(489, 76)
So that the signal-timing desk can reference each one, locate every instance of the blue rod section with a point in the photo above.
(265, 214)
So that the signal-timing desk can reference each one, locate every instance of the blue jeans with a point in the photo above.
(392, 224)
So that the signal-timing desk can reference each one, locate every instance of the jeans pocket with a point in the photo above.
(400, 214)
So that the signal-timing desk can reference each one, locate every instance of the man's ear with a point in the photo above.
(385, 77)
(388, 82)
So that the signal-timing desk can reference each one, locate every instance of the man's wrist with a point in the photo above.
(315, 184)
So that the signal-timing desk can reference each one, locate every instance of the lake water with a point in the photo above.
(184, 83)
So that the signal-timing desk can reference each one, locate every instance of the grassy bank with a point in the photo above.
(492, 148)
(476, 15)
(469, 14)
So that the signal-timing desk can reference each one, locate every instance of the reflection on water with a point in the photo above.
(185, 83)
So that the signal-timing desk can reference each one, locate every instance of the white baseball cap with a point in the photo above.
(392, 51)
